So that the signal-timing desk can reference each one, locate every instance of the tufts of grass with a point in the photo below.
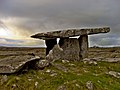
(75, 79)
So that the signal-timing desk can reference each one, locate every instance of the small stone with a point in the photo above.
(17, 78)
(14, 85)
(92, 62)
(95, 63)
(79, 74)
(89, 85)
(99, 81)
(53, 74)
(115, 74)
(36, 84)
(84, 62)
(77, 85)
(71, 64)
(48, 71)
(65, 61)
(62, 87)
(41, 64)
(60, 67)
(86, 59)
(95, 74)
(29, 79)
(4, 79)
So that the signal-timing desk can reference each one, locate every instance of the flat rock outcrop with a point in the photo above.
(14, 64)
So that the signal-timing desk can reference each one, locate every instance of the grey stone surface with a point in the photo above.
(71, 49)
(113, 73)
(55, 53)
(89, 85)
(83, 42)
(13, 64)
(70, 33)
(59, 67)
(110, 60)
(67, 49)
(41, 64)
(62, 87)
(3, 79)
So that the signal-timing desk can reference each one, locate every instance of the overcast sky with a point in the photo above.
(23, 18)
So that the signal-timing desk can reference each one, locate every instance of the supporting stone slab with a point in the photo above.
(70, 48)
(83, 42)
(67, 49)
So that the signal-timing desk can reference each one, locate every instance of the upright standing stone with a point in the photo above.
(70, 48)
(55, 53)
(83, 42)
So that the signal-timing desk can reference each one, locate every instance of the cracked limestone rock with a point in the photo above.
(89, 85)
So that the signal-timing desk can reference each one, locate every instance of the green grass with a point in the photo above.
(75, 79)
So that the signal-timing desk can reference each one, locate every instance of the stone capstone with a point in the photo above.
(70, 33)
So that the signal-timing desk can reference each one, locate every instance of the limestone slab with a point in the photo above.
(13, 64)
(70, 33)
(83, 42)
(71, 49)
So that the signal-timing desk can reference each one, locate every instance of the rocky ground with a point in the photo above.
(100, 71)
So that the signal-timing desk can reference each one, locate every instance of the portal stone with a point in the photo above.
(83, 41)
(55, 53)
(67, 49)
(70, 48)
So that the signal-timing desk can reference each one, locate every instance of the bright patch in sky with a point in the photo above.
(5, 33)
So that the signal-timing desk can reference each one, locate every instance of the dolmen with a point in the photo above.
(68, 48)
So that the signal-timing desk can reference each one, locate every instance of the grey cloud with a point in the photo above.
(46, 15)
(105, 40)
